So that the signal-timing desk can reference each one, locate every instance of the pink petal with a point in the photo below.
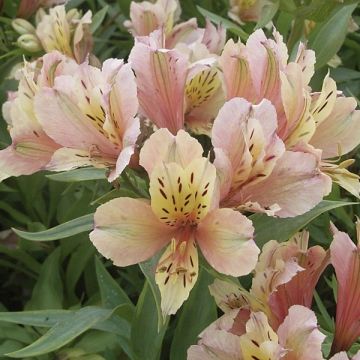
(296, 185)
(161, 76)
(162, 146)
(236, 70)
(68, 125)
(346, 260)
(123, 99)
(300, 335)
(214, 37)
(127, 232)
(340, 130)
(225, 238)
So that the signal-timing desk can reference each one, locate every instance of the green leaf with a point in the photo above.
(328, 36)
(148, 269)
(48, 290)
(270, 228)
(198, 312)
(111, 293)
(146, 339)
(77, 175)
(70, 228)
(267, 13)
(64, 331)
(229, 25)
(98, 18)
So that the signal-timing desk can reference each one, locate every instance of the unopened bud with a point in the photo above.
(22, 26)
(29, 42)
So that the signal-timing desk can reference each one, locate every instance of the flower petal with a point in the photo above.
(182, 196)
(161, 76)
(296, 185)
(225, 238)
(340, 131)
(176, 273)
(127, 232)
(162, 146)
(299, 334)
(345, 257)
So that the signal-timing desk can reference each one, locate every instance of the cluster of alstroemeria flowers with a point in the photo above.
(273, 320)
(272, 141)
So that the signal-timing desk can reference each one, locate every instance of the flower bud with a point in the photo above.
(22, 26)
(29, 42)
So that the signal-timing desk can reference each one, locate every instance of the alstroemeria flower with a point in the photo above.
(345, 257)
(260, 69)
(255, 171)
(31, 147)
(183, 213)
(246, 10)
(28, 7)
(92, 116)
(297, 338)
(278, 283)
(67, 32)
(184, 94)
(147, 17)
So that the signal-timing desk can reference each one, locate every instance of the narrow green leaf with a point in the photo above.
(70, 228)
(98, 18)
(328, 320)
(330, 35)
(63, 332)
(111, 293)
(270, 228)
(198, 312)
(77, 175)
(229, 25)
(146, 339)
(48, 290)
(148, 269)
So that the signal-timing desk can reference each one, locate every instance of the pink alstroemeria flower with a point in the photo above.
(326, 120)
(345, 257)
(246, 10)
(183, 213)
(184, 94)
(66, 32)
(278, 283)
(297, 338)
(92, 117)
(255, 171)
(147, 17)
(31, 147)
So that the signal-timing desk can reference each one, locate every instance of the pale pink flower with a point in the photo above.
(246, 10)
(297, 338)
(67, 32)
(31, 147)
(183, 213)
(92, 116)
(279, 278)
(326, 120)
(184, 94)
(255, 171)
(147, 17)
(345, 257)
